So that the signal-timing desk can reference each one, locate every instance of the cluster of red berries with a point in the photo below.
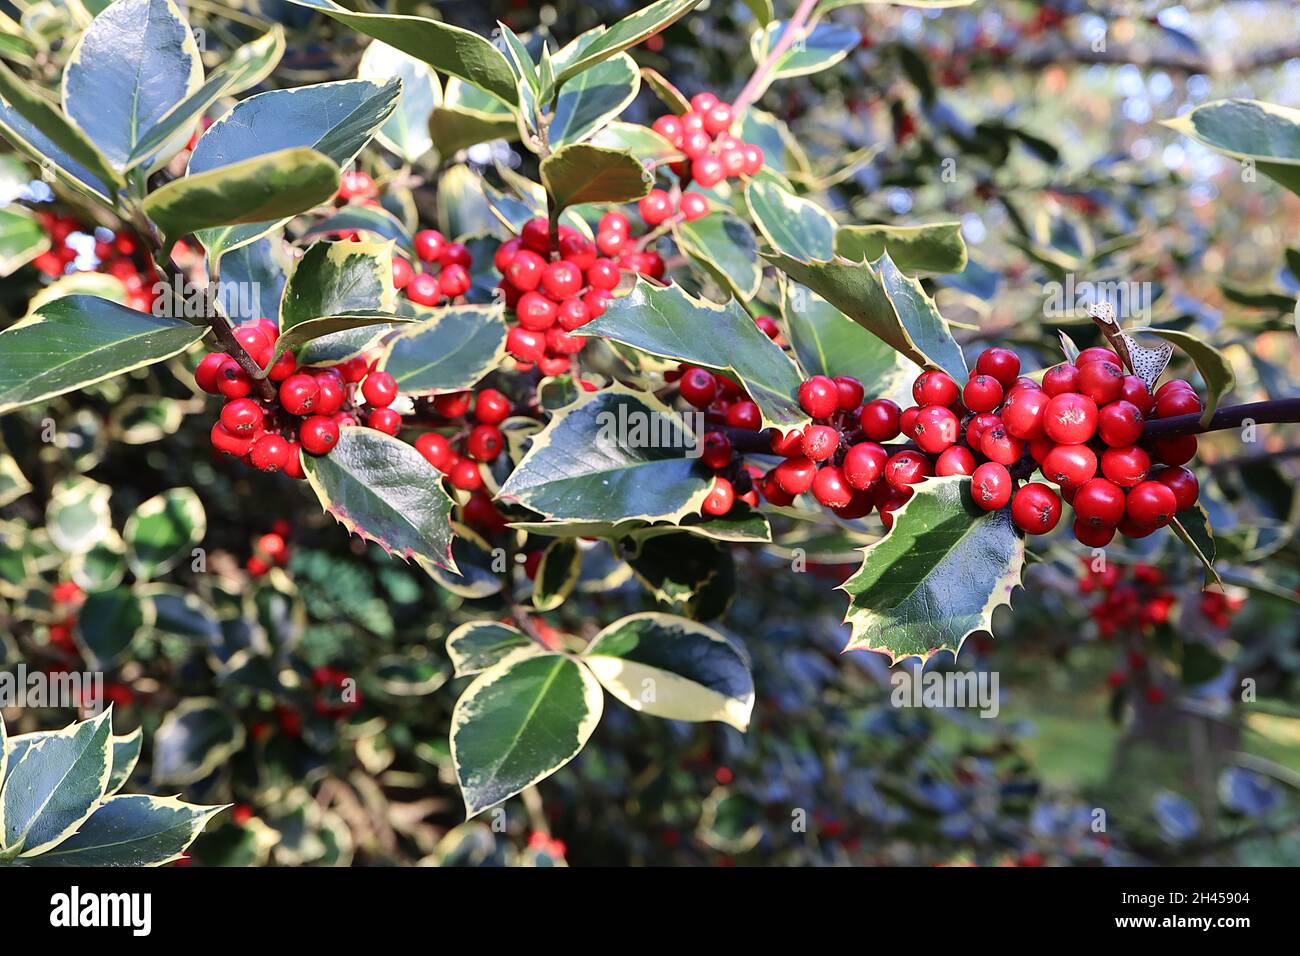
(470, 443)
(118, 255)
(1136, 598)
(270, 550)
(1082, 428)
(703, 135)
(452, 279)
(659, 207)
(311, 405)
(554, 291)
(545, 843)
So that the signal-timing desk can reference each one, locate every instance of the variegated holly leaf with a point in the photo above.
(269, 187)
(583, 173)
(557, 573)
(590, 100)
(885, 302)
(77, 516)
(339, 278)
(936, 577)
(724, 246)
(55, 786)
(80, 340)
(22, 239)
(125, 753)
(362, 219)
(791, 225)
(673, 667)
(741, 525)
(134, 64)
(445, 47)
(518, 722)
(382, 489)
(934, 248)
(407, 131)
(624, 34)
(828, 342)
(131, 830)
(1215, 369)
(194, 739)
(641, 141)
(109, 623)
(686, 573)
(161, 531)
(613, 455)
(450, 350)
(667, 321)
(478, 645)
(336, 119)
(1263, 134)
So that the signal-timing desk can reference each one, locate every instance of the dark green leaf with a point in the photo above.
(449, 351)
(794, 226)
(628, 32)
(131, 830)
(593, 98)
(934, 248)
(726, 248)
(108, 624)
(1261, 133)
(478, 645)
(582, 173)
(557, 573)
(194, 739)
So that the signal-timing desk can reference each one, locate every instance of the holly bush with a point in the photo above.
(642, 388)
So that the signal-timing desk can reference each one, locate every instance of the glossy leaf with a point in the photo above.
(686, 573)
(790, 224)
(407, 131)
(447, 48)
(382, 489)
(582, 173)
(478, 645)
(667, 322)
(272, 186)
(673, 667)
(936, 577)
(339, 278)
(131, 830)
(132, 66)
(593, 98)
(162, 530)
(80, 340)
(108, 624)
(449, 351)
(884, 302)
(518, 722)
(557, 573)
(626, 33)
(935, 248)
(725, 246)
(816, 50)
(193, 740)
(1264, 134)
(611, 456)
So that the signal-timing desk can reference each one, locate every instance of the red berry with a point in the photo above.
(991, 486)
(484, 443)
(935, 388)
(820, 442)
(330, 394)
(788, 445)
(907, 421)
(880, 420)
(208, 370)
(233, 381)
(1135, 391)
(1035, 509)
(907, 468)
(718, 118)
(525, 345)
(1125, 466)
(379, 389)
(452, 404)
(1000, 446)
(982, 393)
(956, 460)
(1023, 411)
(655, 207)
(1070, 465)
(562, 280)
(298, 394)
(1130, 528)
(864, 463)
(830, 488)
(850, 392)
(708, 171)
(429, 244)
(669, 127)
(318, 434)
(536, 312)
(271, 453)
(423, 289)
(693, 206)
(226, 441)
(1178, 450)
(454, 280)
(466, 476)
(456, 254)
(721, 497)
(1060, 379)
(1120, 423)
(1002, 364)
(701, 103)
(1093, 536)
(435, 448)
(1177, 401)
(1152, 503)
(603, 274)
(795, 475)
(385, 420)
(744, 414)
(936, 428)
(978, 425)
(1182, 483)
(819, 397)
(1070, 419)
(698, 387)
(242, 417)
(1095, 354)
(356, 185)
(402, 273)
(1099, 501)
(716, 452)
(525, 270)
(491, 407)
(1103, 382)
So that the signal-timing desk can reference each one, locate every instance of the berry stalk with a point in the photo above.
(1276, 411)
(758, 82)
